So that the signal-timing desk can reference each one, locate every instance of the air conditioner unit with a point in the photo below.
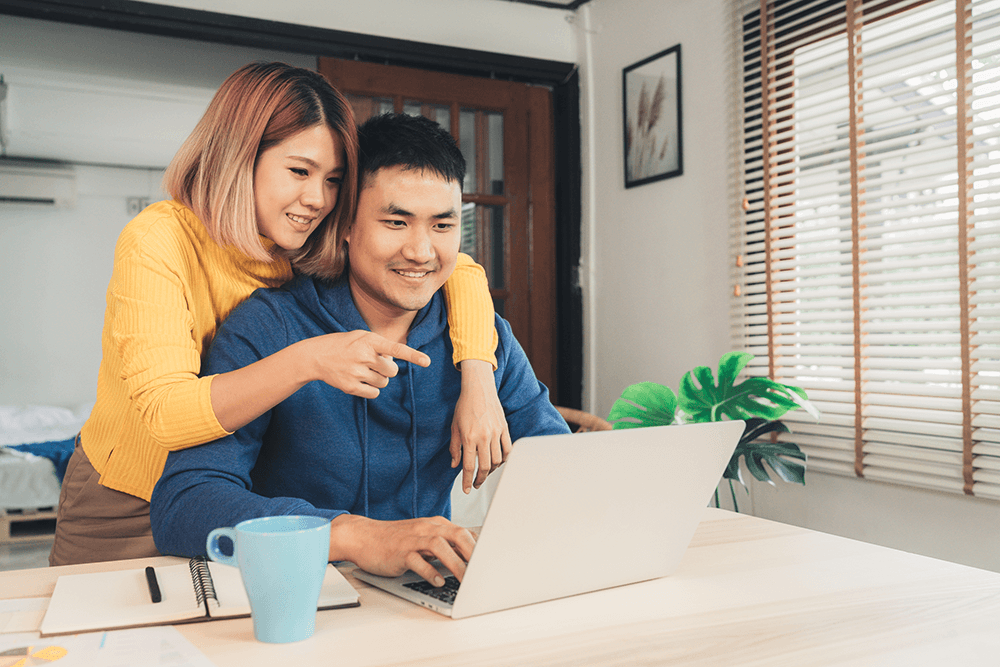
(91, 119)
(37, 183)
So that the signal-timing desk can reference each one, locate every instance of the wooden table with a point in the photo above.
(749, 592)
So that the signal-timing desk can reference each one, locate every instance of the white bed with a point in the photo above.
(29, 482)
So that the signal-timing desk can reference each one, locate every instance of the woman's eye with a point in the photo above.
(298, 171)
(335, 181)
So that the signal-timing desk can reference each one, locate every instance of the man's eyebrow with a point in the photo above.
(396, 209)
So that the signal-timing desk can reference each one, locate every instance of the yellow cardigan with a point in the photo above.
(170, 288)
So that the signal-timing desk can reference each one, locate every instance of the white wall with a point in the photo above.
(656, 273)
(655, 258)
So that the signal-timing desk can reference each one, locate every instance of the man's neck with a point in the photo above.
(387, 321)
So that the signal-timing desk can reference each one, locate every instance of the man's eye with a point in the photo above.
(395, 223)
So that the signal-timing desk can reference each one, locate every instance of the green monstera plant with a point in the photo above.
(700, 398)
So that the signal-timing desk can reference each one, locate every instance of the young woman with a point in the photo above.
(259, 190)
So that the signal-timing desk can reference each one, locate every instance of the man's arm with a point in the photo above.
(525, 400)
(206, 487)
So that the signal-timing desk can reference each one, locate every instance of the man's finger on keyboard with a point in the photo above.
(420, 566)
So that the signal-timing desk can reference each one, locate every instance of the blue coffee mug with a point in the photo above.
(282, 560)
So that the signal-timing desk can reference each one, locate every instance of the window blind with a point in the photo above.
(869, 243)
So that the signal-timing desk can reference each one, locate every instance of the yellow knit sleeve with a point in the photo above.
(153, 332)
(470, 313)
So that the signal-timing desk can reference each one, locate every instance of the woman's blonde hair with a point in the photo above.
(258, 106)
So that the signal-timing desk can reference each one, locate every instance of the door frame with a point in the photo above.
(561, 77)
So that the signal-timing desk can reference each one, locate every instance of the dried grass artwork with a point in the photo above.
(652, 118)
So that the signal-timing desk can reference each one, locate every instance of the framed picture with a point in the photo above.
(651, 92)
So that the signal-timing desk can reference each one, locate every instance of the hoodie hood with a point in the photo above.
(331, 305)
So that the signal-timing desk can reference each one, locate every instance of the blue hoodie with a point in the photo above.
(321, 451)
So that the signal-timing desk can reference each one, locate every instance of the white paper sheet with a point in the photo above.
(22, 614)
(141, 647)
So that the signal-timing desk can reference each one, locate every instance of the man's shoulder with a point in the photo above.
(507, 342)
(289, 296)
(262, 314)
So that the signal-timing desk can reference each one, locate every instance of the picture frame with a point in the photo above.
(651, 123)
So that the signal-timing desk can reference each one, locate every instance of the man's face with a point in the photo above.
(404, 241)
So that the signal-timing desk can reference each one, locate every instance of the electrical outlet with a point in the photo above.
(134, 205)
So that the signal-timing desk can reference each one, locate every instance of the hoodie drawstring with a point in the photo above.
(364, 457)
(413, 437)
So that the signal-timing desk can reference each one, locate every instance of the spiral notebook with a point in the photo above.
(198, 590)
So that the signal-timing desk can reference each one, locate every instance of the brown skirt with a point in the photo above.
(95, 523)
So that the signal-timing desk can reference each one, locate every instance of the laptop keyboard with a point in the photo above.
(445, 593)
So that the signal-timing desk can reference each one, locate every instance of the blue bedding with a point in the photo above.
(57, 451)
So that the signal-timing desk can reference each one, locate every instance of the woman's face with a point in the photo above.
(296, 184)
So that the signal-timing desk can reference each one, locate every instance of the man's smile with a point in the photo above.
(412, 274)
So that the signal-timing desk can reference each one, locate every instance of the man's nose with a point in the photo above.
(418, 246)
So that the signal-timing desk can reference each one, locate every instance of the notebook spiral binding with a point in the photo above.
(201, 578)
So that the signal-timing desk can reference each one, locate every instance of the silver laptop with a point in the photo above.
(567, 504)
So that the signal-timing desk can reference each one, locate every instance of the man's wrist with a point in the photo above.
(344, 539)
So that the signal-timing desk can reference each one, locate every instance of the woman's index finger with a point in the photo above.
(404, 352)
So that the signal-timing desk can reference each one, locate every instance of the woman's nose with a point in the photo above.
(314, 194)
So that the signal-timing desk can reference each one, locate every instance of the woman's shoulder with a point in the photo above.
(166, 227)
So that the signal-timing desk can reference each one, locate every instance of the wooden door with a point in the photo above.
(505, 132)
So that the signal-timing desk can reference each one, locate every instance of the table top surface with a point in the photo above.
(748, 592)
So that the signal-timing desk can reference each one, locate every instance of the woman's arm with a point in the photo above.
(159, 327)
(356, 362)
(479, 430)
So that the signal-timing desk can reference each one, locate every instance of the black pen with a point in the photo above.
(154, 588)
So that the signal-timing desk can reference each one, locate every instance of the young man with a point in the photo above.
(379, 468)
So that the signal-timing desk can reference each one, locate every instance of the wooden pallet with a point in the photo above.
(27, 525)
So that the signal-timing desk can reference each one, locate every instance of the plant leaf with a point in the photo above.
(644, 404)
(775, 454)
(755, 397)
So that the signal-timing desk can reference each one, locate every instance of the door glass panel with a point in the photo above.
(366, 107)
(483, 240)
(481, 140)
(494, 161)
(438, 113)
(493, 244)
(467, 142)
(469, 232)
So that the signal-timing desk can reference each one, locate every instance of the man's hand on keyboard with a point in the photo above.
(390, 548)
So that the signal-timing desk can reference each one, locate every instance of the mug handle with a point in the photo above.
(212, 545)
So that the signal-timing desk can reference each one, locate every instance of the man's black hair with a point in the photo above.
(411, 142)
